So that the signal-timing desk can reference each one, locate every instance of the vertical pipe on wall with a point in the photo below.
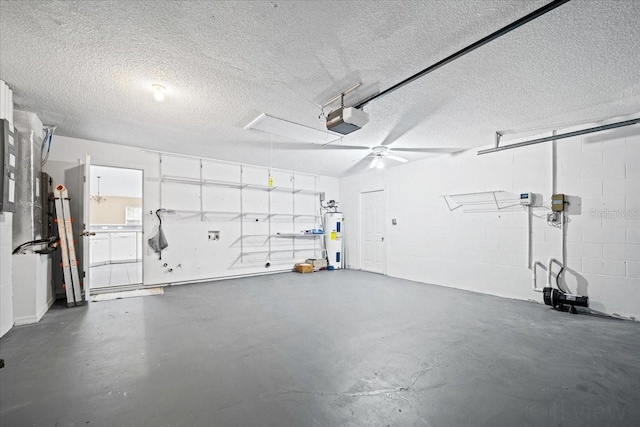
(554, 164)
(160, 180)
(535, 276)
(317, 221)
(554, 190)
(201, 198)
(269, 213)
(530, 237)
(241, 216)
(550, 263)
(293, 206)
(564, 239)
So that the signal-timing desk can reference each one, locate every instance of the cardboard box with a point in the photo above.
(318, 263)
(304, 268)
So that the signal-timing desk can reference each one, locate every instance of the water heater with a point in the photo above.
(333, 239)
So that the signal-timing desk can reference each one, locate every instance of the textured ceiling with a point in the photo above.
(88, 66)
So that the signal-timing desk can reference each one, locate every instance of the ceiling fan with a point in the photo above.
(377, 157)
(381, 152)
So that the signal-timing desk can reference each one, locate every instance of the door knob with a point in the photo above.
(382, 239)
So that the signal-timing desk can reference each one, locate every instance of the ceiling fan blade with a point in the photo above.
(429, 150)
(344, 147)
(304, 146)
(397, 158)
(374, 162)
(359, 166)
(362, 159)
(411, 119)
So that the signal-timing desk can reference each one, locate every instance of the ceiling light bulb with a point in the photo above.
(158, 92)
(380, 163)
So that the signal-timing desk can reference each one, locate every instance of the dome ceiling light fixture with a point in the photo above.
(158, 92)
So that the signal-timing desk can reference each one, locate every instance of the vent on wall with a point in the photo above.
(291, 130)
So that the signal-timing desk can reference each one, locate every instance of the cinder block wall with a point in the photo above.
(487, 252)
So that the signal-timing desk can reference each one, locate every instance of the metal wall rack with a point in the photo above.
(268, 217)
(484, 201)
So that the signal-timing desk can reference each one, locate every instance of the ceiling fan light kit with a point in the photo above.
(376, 162)
(383, 151)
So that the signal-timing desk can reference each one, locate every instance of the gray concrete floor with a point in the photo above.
(340, 348)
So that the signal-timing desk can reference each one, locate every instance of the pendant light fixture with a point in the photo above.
(99, 199)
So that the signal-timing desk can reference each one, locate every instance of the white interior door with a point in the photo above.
(372, 219)
(77, 183)
(86, 222)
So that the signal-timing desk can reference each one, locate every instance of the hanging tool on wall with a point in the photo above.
(159, 242)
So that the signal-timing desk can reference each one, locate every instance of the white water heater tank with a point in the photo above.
(333, 239)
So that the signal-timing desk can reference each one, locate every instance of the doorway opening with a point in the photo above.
(115, 226)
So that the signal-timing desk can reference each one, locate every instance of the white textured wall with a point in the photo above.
(6, 291)
(487, 252)
(199, 258)
(32, 293)
(6, 235)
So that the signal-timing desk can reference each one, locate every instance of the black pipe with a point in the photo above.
(501, 32)
(562, 136)
(48, 241)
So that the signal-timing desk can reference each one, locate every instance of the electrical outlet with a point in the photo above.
(214, 235)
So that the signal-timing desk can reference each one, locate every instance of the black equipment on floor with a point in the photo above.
(563, 301)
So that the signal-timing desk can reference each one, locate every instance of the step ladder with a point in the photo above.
(72, 285)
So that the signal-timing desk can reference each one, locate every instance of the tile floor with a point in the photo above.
(106, 276)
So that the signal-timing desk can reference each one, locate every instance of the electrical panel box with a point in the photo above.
(526, 199)
(48, 205)
(8, 168)
(557, 202)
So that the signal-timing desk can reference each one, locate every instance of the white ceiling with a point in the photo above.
(88, 66)
(116, 182)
